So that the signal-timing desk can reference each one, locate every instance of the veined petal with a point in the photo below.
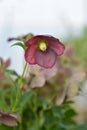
(46, 59)
(48, 38)
(35, 39)
(57, 47)
(30, 54)
(32, 41)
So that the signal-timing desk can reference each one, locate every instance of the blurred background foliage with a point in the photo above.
(49, 98)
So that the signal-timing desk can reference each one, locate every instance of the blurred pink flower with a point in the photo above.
(41, 75)
(1, 76)
(3, 66)
(70, 51)
(5, 63)
(9, 119)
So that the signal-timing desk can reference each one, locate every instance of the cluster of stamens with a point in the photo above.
(42, 45)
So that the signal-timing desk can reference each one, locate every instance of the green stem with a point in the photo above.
(20, 126)
(18, 89)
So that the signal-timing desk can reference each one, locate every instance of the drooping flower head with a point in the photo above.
(43, 50)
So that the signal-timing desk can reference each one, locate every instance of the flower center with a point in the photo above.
(42, 46)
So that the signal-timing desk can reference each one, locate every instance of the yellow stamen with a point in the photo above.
(43, 46)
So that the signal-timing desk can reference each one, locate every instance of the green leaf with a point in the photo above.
(41, 102)
(57, 111)
(4, 127)
(12, 72)
(19, 44)
(70, 113)
(63, 126)
(82, 126)
(25, 98)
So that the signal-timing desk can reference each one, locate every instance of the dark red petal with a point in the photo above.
(46, 59)
(30, 54)
(58, 47)
(37, 38)
(48, 38)
(31, 41)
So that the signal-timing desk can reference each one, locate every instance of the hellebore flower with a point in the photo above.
(43, 50)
